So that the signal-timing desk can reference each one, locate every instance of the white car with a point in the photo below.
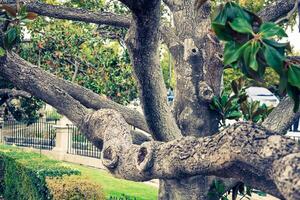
(263, 95)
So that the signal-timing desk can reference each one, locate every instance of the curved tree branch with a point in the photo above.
(244, 151)
(75, 14)
(13, 66)
(276, 122)
(142, 41)
(277, 10)
(42, 86)
(14, 93)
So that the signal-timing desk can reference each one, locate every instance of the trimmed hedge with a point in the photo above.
(70, 187)
(23, 174)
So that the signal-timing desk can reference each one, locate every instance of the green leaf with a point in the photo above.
(250, 54)
(283, 82)
(221, 18)
(233, 11)
(222, 32)
(2, 52)
(294, 93)
(241, 25)
(11, 37)
(294, 75)
(273, 58)
(234, 115)
(233, 52)
(280, 47)
(215, 104)
(269, 29)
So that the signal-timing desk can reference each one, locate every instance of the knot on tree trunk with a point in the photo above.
(144, 160)
(110, 157)
(205, 92)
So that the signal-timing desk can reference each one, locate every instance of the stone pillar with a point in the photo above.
(1, 130)
(62, 139)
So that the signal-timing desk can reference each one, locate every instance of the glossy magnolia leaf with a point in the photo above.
(273, 58)
(233, 11)
(233, 52)
(294, 93)
(234, 115)
(250, 54)
(241, 25)
(9, 10)
(221, 18)
(294, 75)
(281, 47)
(283, 82)
(2, 52)
(215, 104)
(31, 15)
(270, 29)
(224, 100)
(222, 32)
(12, 37)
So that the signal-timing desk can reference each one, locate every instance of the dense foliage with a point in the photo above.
(251, 46)
(23, 174)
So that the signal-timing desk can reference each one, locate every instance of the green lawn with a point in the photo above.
(117, 187)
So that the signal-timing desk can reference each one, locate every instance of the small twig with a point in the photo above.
(75, 72)
(211, 39)
(288, 16)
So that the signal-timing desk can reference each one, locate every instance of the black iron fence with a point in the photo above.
(79, 145)
(40, 134)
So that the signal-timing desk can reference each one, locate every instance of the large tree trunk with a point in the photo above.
(194, 188)
(198, 76)
(244, 151)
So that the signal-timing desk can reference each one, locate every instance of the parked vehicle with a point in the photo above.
(263, 95)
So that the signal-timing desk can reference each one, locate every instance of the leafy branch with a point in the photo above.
(251, 45)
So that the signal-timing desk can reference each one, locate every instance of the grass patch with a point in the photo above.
(117, 187)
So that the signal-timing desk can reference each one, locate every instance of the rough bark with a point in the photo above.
(277, 10)
(246, 152)
(75, 14)
(143, 44)
(281, 124)
(14, 93)
(40, 85)
(198, 71)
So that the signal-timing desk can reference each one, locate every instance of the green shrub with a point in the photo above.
(70, 187)
(23, 174)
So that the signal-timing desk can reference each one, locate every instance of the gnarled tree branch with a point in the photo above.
(142, 41)
(13, 66)
(14, 93)
(244, 151)
(75, 14)
(28, 78)
(276, 122)
(277, 10)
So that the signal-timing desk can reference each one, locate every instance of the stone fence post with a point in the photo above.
(1, 130)
(62, 139)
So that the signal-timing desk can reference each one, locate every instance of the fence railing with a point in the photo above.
(40, 134)
(78, 144)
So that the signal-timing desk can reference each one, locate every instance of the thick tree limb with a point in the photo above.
(277, 10)
(143, 45)
(282, 117)
(14, 93)
(29, 78)
(85, 96)
(289, 14)
(244, 151)
(75, 14)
